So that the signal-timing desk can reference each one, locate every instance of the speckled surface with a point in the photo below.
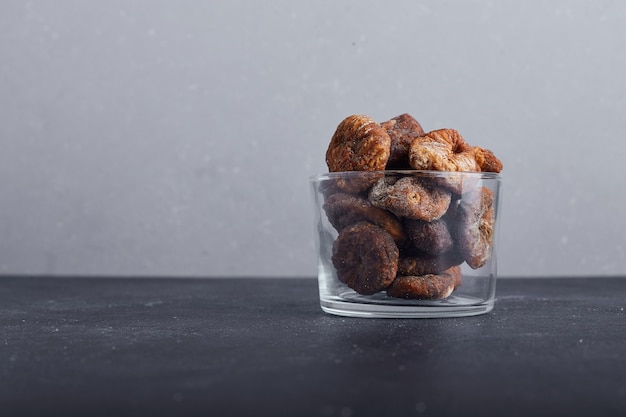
(236, 347)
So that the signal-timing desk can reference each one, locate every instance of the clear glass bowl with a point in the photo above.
(406, 243)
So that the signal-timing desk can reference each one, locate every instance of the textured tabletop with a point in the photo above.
(263, 347)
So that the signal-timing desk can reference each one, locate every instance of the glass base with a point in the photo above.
(454, 306)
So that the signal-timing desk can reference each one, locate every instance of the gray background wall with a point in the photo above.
(156, 137)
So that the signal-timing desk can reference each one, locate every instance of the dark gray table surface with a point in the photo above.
(263, 347)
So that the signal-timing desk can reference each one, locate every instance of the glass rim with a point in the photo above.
(426, 173)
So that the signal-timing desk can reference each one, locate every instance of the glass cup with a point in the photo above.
(406, 243)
